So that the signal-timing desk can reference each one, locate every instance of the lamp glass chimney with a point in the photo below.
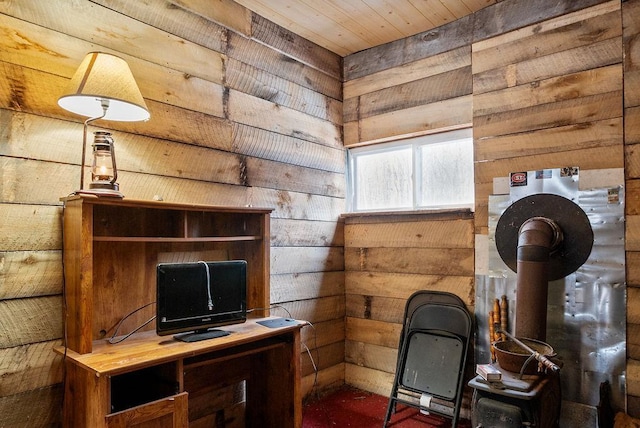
(103, 168)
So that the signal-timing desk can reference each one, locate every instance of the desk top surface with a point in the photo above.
(147, 348)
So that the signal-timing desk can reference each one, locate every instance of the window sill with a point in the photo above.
(412, 215)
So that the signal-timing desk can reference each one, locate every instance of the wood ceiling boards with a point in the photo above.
(348, 26)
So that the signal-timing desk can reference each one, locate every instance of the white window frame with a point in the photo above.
(416, 143)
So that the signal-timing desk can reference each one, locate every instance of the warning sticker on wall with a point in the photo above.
(518, 179)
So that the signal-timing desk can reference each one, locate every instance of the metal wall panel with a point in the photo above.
(586, 316)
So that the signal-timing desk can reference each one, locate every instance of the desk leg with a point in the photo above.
(273, 389)
(86, 399)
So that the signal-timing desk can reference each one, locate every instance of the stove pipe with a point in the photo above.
(538, 238)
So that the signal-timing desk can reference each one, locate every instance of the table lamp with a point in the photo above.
(103, 88)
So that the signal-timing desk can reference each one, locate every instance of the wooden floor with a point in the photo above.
(353, 408)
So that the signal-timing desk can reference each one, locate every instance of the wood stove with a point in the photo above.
(541, 237)
(516, 402)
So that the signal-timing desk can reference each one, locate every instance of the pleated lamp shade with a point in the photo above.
(104, 77)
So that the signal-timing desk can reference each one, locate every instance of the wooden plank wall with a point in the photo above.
(548, 95)
(631, 49)
(387, 258)
(546, 91)
(242, 113)
(426, 89)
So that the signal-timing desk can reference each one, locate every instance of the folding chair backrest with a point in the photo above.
(444, 317)
(422, 297)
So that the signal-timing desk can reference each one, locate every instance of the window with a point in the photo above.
(422, 173)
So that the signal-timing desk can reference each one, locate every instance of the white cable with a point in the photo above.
(209, 300)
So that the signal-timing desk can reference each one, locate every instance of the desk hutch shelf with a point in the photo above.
(112, 247)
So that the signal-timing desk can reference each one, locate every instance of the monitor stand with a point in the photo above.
(198, 335)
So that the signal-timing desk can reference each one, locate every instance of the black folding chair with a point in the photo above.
(432, 355)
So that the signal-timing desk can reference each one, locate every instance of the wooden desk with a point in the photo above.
(149, 380)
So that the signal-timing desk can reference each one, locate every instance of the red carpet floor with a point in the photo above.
(352, 408)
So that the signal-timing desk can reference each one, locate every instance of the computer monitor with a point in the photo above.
(195, 297)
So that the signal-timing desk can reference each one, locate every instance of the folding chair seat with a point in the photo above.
(432, 354)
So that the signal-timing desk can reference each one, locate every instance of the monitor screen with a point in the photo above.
(196, 296)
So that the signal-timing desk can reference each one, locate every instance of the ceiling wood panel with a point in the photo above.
(348, 26)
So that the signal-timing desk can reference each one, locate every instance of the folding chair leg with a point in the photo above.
(391, 407)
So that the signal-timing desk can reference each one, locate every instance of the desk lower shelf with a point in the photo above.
(146, 368)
